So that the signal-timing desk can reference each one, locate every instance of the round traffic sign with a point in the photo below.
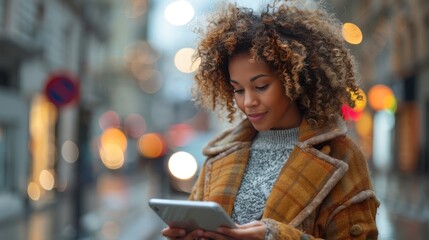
(61, 89)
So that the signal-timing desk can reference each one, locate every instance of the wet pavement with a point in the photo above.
(116, 208)
(404, 209)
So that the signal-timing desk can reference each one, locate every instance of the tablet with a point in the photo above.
(191, 215)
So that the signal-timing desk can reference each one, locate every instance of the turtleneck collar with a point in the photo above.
(276, 139)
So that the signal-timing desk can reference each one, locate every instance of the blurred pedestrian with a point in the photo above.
(287, 170)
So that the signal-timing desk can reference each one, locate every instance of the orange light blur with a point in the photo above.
(43, 116)
(112, 150)
(359, 104)
(112, 156)
(114, 136)
(381, 97)
(352, 33)
(33, 191)
(151, 145)
(47, 180)
(364, 125)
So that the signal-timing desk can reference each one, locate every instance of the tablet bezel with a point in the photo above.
(191, 215)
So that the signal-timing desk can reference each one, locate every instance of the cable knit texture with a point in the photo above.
(269, 152)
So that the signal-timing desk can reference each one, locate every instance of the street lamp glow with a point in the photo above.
(33, 191)
(184, 62)
(112, 156)
(46, 180)
(182, 165)
(352, 33)
(381, 97)
(70, 151)
(179, 12)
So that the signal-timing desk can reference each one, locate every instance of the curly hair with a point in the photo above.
(303, 46)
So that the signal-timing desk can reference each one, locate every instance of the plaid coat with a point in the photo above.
(323, 191)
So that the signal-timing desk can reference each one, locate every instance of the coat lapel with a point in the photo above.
(303, 183)
(225, 175)
(307, 177)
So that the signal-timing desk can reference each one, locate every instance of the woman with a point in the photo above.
(288, 170)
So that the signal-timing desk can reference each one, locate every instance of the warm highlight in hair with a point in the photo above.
(304, 47)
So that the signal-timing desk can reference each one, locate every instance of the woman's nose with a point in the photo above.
(250, 100)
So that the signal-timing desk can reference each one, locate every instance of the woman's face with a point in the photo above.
(259, 94)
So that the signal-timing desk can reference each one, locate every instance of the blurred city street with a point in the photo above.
(123, 213)
(97, 114)
(118, 212)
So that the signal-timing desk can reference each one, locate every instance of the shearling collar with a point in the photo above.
(244, 132)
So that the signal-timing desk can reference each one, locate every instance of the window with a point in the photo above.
(5, 79)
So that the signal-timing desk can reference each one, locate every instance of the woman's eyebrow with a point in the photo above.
(252, 78)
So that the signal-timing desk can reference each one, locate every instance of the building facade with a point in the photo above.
(41, 141)
(394, 53)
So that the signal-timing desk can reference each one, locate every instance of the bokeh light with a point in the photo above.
(349, 113)
(360, 104)
(384, 122)
(179, 135)
(114, 136)
(43, 117)
(381, 97)
(109, 119)
(364, 125)
(352, 33)
(355, 113)
(33, 191)
(112, 156)
(70, 151)
(179, 12)
(183, 60)
(144, 73)
(141, 53)
(150, 81)
(136, 8)
(134, 125)
(182, 165)
(151, 145)
(47, 180)
(112, 150)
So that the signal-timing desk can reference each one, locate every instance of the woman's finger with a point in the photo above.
(173, 232)
(250, 225)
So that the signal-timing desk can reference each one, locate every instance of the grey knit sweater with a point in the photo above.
(269, 152)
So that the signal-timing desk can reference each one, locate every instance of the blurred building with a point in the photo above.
(61, 67)
(394, 54)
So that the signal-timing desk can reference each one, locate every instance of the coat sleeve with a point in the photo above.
(356, 221)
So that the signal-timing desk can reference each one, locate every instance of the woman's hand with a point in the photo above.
(251, 231)
(178, 233)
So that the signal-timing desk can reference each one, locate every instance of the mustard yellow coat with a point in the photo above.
(323, 191)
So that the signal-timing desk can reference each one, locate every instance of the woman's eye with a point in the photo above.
(261, 88)
(238, 91)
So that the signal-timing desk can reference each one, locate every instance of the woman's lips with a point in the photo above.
(255, 117)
